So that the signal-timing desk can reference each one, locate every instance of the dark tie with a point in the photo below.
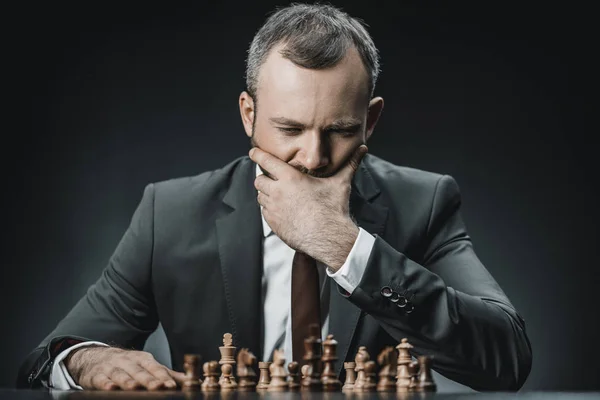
(306, 304)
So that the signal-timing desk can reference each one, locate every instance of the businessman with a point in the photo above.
(306, 228)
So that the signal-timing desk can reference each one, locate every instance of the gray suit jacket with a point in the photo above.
(191, 260)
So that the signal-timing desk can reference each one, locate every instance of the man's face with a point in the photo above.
(311, 119)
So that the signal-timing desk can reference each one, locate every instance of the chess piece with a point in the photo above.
(293, 378)
(264, 378)
(312, 358)
(362, 356)
(225, 382)
(191, 366)
(245, 370)
(329, 378)
(387, 360)
(277, 372)
(211, 374)
(370, 382)
(350, 376)
(402, 373)
(425, 381)
(413, 372)
(227, 357)
(305, 372)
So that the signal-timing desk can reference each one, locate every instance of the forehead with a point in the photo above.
(337, 91)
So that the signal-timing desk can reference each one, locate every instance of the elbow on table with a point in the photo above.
(513, 376)
(523, 367)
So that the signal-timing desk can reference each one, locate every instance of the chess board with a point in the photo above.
(393, 370)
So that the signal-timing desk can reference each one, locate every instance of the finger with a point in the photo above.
(274, 166)
(101, 381)
(266, 214)
(161, 373)
(141, 374)
(263, 184)
(123, 379)
(179, 377)
(263, 200)
(352, 165)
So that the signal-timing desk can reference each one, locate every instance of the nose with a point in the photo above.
(315, 152)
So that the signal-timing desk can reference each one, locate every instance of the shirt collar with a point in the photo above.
(266, 228)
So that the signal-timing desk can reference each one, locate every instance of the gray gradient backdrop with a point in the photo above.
(116, 97)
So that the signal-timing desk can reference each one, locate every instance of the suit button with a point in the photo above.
(409, 308)
(401, 302)
(31, 375)
(386, 291)
(395, 297)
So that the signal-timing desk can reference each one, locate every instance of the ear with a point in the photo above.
(375, 108)
(247, 112)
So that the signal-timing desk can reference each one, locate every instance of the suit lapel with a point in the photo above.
(240, 249)
(371, 216)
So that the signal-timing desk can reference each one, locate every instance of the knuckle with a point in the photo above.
(116, 373)
(133, 384)
(154, 383)
(138, 354)
(144, 362)
(147, 356)
(147, 364)
(142, 375)
(96, 381)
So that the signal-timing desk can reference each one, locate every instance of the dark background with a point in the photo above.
(111, 97)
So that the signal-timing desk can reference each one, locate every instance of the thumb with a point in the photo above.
(350, 169)
(178, 376)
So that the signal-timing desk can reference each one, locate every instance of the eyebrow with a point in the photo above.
(344, 123)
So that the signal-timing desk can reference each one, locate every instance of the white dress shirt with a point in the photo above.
(276, 296)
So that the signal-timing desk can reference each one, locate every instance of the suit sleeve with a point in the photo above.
(118, 309)
(448, 305)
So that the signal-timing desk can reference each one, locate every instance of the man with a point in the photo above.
(307, 229)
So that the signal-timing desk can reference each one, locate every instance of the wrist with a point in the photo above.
(342, 240)
(78, 359)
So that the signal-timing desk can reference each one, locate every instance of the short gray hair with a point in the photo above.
(315, 36)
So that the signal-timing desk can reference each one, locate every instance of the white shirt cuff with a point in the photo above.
(60, 379)
(351, 273)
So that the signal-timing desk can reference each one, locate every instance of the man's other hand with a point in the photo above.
(110, 368)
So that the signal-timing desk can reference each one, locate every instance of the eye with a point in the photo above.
(289, 130)
(342, 132)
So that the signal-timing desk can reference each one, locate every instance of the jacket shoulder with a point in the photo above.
(414, 196)
(390, 175)
(185, 191)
